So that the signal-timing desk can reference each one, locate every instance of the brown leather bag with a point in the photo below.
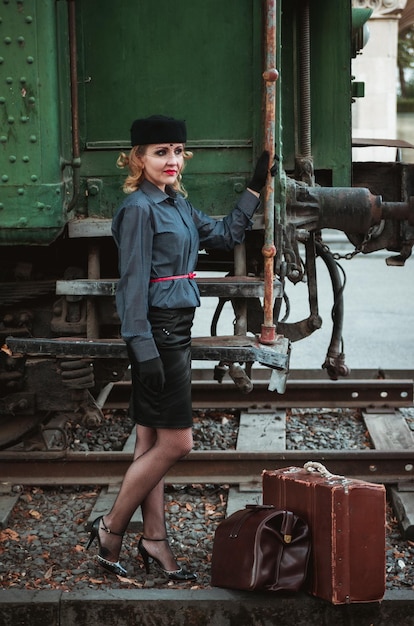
(261, 548)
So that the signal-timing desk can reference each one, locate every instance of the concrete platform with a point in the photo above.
(215, 607)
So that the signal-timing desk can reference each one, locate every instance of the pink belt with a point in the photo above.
(159, 280)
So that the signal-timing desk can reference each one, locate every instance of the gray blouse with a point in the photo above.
(159, 235)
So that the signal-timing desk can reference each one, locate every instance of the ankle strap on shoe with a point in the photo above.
(109, 531)
(148, 539)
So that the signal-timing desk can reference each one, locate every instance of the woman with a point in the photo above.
(158, 234)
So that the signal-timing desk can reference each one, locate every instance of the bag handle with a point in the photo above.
(250, 508)
(286, 527)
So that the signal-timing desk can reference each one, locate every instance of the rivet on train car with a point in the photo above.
(33, 178)
(20, 39)
(9, 80)
(40, 205)
(24, 119)
(2, 100)
(12, 158)
(7, 40)
(3, 139)
(33, 138)
(23, 80)
(30, 60)
(1, 206)
(32, 100)
(238, 187)
(22, 221)
(20, 191)
(271, 75)
(29, 19)
(25, 159)
(4, 178)
(10, 119)
(1, 60)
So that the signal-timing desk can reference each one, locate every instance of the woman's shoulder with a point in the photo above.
(137, 197)
(134, 200)
(135, 207)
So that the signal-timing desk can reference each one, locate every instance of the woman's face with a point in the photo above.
(162, 163)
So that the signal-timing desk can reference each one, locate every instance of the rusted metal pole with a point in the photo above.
(270, 75)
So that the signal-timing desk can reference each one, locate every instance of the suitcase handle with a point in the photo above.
(314, 466)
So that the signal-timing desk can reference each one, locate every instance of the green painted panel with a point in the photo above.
(196, 60)
(36, 216)
(331, 89)
(330, 69)
(30, 135)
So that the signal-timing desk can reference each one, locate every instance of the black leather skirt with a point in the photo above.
(172, 407)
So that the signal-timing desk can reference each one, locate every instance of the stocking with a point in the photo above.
(156, 451)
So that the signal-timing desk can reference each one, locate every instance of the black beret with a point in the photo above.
(158, 129)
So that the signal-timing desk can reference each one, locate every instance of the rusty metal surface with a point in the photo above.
(225, 286)
(270, 76)
(229, 348)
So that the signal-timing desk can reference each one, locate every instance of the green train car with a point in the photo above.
(244, 74)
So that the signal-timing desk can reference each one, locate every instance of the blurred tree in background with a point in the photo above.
(406, 62)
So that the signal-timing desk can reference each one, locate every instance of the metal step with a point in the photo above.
(223, 287)
(228, 348)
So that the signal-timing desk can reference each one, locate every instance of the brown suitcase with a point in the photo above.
(347, 521)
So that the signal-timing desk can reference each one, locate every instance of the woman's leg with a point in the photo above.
(144, 475)
(153, 505)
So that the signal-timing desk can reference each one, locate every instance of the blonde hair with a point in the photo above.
(136, 172)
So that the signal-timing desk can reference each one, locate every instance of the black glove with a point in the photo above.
(273, 169)
(258, 180)
(152, 374)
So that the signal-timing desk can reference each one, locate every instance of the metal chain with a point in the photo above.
(350, 255)
(335, 255)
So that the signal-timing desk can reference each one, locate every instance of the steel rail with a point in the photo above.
(299, 394)
(217, 467)
(233, 466)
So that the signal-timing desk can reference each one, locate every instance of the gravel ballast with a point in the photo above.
(43, 546)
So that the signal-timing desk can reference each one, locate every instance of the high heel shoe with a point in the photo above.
(109, 566)
(178, 574)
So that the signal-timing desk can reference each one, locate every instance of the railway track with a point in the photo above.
(390, 462)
